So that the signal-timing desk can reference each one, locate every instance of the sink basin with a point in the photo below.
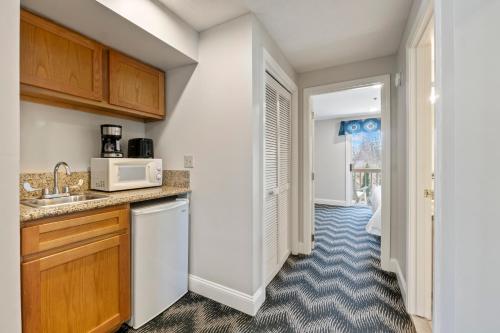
(39, 203)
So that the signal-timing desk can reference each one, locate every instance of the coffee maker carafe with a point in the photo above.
(110, 140)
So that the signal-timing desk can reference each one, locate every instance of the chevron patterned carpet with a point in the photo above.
(338, 288)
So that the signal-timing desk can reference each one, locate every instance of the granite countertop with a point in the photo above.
(115, 198)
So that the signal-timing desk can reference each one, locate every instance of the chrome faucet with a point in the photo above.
(55, 192)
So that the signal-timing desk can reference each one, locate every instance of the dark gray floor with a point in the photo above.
(338, 288)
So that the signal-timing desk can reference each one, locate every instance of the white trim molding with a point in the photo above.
(272, 66)
(308, 141)
(331, 202)
(396, 268)
(282, 261)
(245, 303)
(414, 267)
(348, 174)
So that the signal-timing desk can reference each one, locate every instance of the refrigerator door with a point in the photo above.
(159, 258)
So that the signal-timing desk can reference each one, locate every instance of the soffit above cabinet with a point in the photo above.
(97, 20)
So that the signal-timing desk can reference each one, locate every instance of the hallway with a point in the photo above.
(338, 288)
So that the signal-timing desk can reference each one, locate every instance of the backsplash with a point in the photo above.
(176, 178)
(172, 178)
(46, 179)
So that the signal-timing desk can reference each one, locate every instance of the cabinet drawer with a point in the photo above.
(68, 229)
(135, 85)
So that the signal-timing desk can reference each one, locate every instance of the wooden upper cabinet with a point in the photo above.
(135, 85)
(63, 68)
(58, 59)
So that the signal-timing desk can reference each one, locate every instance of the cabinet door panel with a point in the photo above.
(135, 85)
(55, 58)
(85, 289)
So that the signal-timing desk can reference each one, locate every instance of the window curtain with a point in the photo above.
(359, 125)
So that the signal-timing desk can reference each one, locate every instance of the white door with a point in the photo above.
(277, 175)
(425, 174)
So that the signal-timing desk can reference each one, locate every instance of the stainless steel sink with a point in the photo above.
(39, 203)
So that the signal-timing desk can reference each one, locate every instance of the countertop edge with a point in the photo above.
(28, 215)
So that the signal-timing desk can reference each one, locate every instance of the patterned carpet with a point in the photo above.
(338, 288)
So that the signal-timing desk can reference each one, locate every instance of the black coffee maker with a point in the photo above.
(110, 140)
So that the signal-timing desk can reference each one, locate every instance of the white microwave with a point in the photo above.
(117, 174)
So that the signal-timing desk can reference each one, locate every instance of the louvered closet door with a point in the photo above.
(284, 167)
(277, 168)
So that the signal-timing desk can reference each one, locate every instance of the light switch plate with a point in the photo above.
(188, 161)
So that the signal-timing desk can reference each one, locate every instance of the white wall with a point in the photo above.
(159, 21)
(467, 225)
(210, 117)
(357, 70)
(10, 300)
(329, 161)
(214, 113)
(50, 134)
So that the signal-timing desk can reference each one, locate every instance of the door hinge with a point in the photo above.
(312, 176)
(312, 238)
(312, 115)
(350, 167)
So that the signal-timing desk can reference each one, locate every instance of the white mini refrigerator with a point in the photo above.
(159, 258)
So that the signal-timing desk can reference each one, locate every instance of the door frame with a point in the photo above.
(415, 263)
(348, 173)
(306, 242)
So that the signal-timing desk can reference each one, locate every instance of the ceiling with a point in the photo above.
(312, 34)
(204, 14)
(348, 103)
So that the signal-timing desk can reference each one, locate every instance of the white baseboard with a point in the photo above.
(401, 280)
(246, 303)
(303, 249)
(330, 202)
(278, 267)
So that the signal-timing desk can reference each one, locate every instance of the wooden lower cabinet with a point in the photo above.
(85, 288)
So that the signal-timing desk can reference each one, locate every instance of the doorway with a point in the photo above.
(421, 169)
(351, 125)
(347, 146)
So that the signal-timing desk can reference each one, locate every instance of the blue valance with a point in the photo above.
(359, 125)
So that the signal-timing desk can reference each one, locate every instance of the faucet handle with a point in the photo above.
(77, 186)
(28, 188)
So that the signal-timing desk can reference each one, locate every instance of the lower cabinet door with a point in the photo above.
(84, 289)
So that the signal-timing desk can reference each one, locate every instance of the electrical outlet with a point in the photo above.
(188, 161)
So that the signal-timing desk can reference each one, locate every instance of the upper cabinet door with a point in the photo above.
(134, 85)
(58, 59)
